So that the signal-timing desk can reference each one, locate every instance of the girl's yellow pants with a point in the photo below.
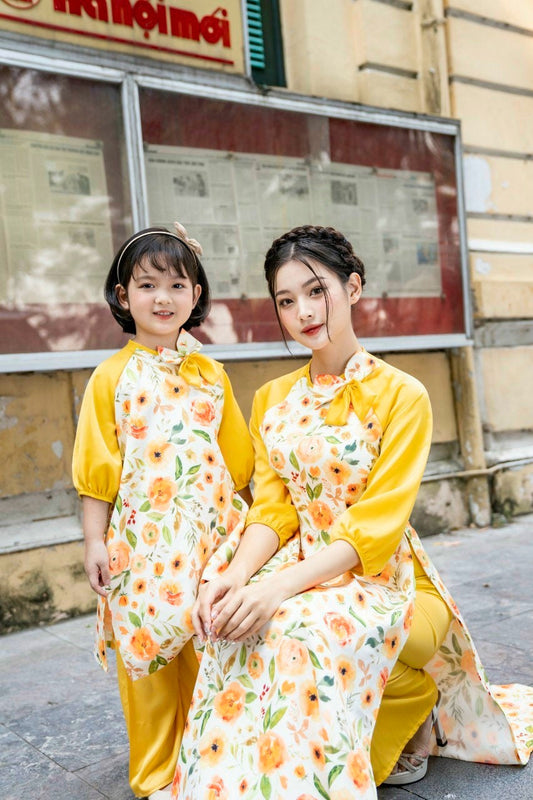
(410, 693)
(155, 709)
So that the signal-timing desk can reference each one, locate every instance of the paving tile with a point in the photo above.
(110, 777)
(18, 759)
(75, 734)
(78, 631)
(59, 786)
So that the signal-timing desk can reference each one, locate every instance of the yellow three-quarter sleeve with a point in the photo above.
(375, 524)
(272, 504)
(96, 463)
(234, 439)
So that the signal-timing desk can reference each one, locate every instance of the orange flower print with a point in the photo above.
(272, 752)
(326, 380)
(318, 756)
(272, 638)
(139, 586)
(138, 427)
(150, 533)
(383, 677)
(210, 457)
(212, 747)
(158, 452)
(346, 672)
(221, 496)
(468, 663)
(216, 789)
(314, 472)
(142, 398)
(178, 562)
(151, 610)
(304, 421)
(123, 600)
(353, 493)
(160, 493)
(126, 406)
(371, 429)
(367, 698)
(170, 592)
(408, 617)
(391, 644)
(175, 387)
(309, 699)
(187, 621)
(159, 568)
(340, 626)
(203, 411)
(255, 665)
(243, 786)
(287, 687)
(321, 514)
(299, 771)
(277, 459)
(292, 657)
(337, 472)
(138, 563)
(357, 768)
(229, 704)
(119, 557)
(208, 477)
(310, 449)
(233, 520)
(142, 645)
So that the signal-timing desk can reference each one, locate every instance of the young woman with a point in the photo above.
(330, 600)
(161, 451)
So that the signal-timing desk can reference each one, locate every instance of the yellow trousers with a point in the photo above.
(155, 709)
(410, 693)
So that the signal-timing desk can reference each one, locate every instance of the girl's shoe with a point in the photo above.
(412, 767)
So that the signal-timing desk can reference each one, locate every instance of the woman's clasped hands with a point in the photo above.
(227, 610)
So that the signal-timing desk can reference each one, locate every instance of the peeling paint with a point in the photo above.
(6, 421)
(481, 266)
(57, 448)
(478, 184)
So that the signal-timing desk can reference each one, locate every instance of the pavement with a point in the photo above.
(62, 736)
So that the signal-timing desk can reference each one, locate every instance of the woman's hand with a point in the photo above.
(208, 594)
(97, 566)
(241, 613)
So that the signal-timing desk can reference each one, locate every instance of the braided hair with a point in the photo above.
(308, 244)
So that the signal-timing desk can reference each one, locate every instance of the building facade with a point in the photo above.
(118, 114)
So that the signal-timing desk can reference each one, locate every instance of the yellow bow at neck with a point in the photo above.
(196, 366)
(355, 395)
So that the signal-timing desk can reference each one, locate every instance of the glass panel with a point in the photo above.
(65, 208)
(237, 176)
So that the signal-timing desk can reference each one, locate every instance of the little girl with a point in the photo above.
(161, 451)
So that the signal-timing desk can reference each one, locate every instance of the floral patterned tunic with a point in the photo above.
(290, 712)
(174, 498)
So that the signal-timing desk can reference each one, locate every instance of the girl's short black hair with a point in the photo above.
(165, 251)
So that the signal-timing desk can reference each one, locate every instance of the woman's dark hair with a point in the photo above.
(309, 243)
(165, 251)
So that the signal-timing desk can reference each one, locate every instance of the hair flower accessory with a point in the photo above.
(194, 245)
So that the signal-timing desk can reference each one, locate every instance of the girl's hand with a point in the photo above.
(245, 611)
(208, 594)
(97, 566)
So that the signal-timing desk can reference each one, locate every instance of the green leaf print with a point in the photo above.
(456, 646)
(193, 470)
(132, 539)
(314, 660)
(145, 506)
(154, 666)
(203, 434)
(310, 493)
(179, 468)
(293, 460)
(320, 789)
(237, 503)
(333, 440)
(205, 719)
(242, 656)
(250, 697)
(275, 718)
(161, 660)
(118, 503)
(175, 430)
(372, 641)
(328, 680)
(318, 491)
(266, 720)
(271, 669)
(134, 619)
(350, 447)
(167, 536)
(479, 706)
(246, 681)
(266, 788)
(221, 531)
(334, 772)
(155, 516)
